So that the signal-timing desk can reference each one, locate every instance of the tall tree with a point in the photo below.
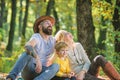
(25, 23)
(3, 13)
(85, 26)
(57, 24)
(109, 1)
(2, 5)
(116, 24)
(12, 27)
(20, 19)
(49, 7)
(25, 19)
(102, 35)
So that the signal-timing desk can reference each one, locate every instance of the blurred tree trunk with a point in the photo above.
(25, 23)
(85, 26)
(38, 6)
(116, 24)
(12, 27)
(49, 7)
(2, 5)
(3, 13)
(102, 36)
(57, 24)
(109, 1)
(101, 45)
(20, 19)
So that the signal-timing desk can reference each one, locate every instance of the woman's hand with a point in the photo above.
(38, 67)
(71, 74)
(81, 75)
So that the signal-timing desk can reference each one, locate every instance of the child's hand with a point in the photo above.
(69, 75)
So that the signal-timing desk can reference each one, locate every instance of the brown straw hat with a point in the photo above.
(39, 20)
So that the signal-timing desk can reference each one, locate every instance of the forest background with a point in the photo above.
(94, 23)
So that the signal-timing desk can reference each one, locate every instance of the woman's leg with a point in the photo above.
(111, 72)
(107, 67)
(95, 65)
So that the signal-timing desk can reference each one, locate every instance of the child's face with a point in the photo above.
(63, 52)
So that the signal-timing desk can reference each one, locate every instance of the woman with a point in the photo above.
(80, 63)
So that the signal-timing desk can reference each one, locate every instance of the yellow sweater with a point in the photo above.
(64, 66)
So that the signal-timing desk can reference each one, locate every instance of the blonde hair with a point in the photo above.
(60, 45)
(60, 35)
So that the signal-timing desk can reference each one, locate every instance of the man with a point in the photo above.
(34, 64)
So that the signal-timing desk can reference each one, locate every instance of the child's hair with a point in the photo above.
(60, 45)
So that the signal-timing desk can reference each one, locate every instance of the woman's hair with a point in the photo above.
(60, 45)
(60, 36)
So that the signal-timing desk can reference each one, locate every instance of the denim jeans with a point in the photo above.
(26, 65)
(63, 78)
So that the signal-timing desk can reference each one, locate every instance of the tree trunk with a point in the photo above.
(102, 36)
(85, 26)
(25, 19)
(49, 7)
(25, 24)
(38, 8)
(57, 24)
(20, 19)
(116, 24)
(12, 26)
(2, 5)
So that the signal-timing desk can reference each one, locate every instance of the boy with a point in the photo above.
(64, 73)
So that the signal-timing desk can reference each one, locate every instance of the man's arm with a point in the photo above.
(29, 47)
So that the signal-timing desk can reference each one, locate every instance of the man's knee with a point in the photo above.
(55, 67)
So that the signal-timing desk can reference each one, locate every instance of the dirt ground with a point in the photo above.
(3, 76)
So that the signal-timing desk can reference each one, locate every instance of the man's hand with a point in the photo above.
(49, 62)
(38, 67)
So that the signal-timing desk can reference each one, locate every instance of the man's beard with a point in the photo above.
(47, 31)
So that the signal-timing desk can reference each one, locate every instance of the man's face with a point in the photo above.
(47, 27)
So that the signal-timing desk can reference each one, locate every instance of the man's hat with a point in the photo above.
(39, 20)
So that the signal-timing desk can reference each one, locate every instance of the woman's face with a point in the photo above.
(69, 37)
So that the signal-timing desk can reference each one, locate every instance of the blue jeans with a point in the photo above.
(26, 65)
(63, 78)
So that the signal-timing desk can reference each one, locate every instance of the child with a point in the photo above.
(64, 73)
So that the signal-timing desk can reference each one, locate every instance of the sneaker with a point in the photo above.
(8, 79)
